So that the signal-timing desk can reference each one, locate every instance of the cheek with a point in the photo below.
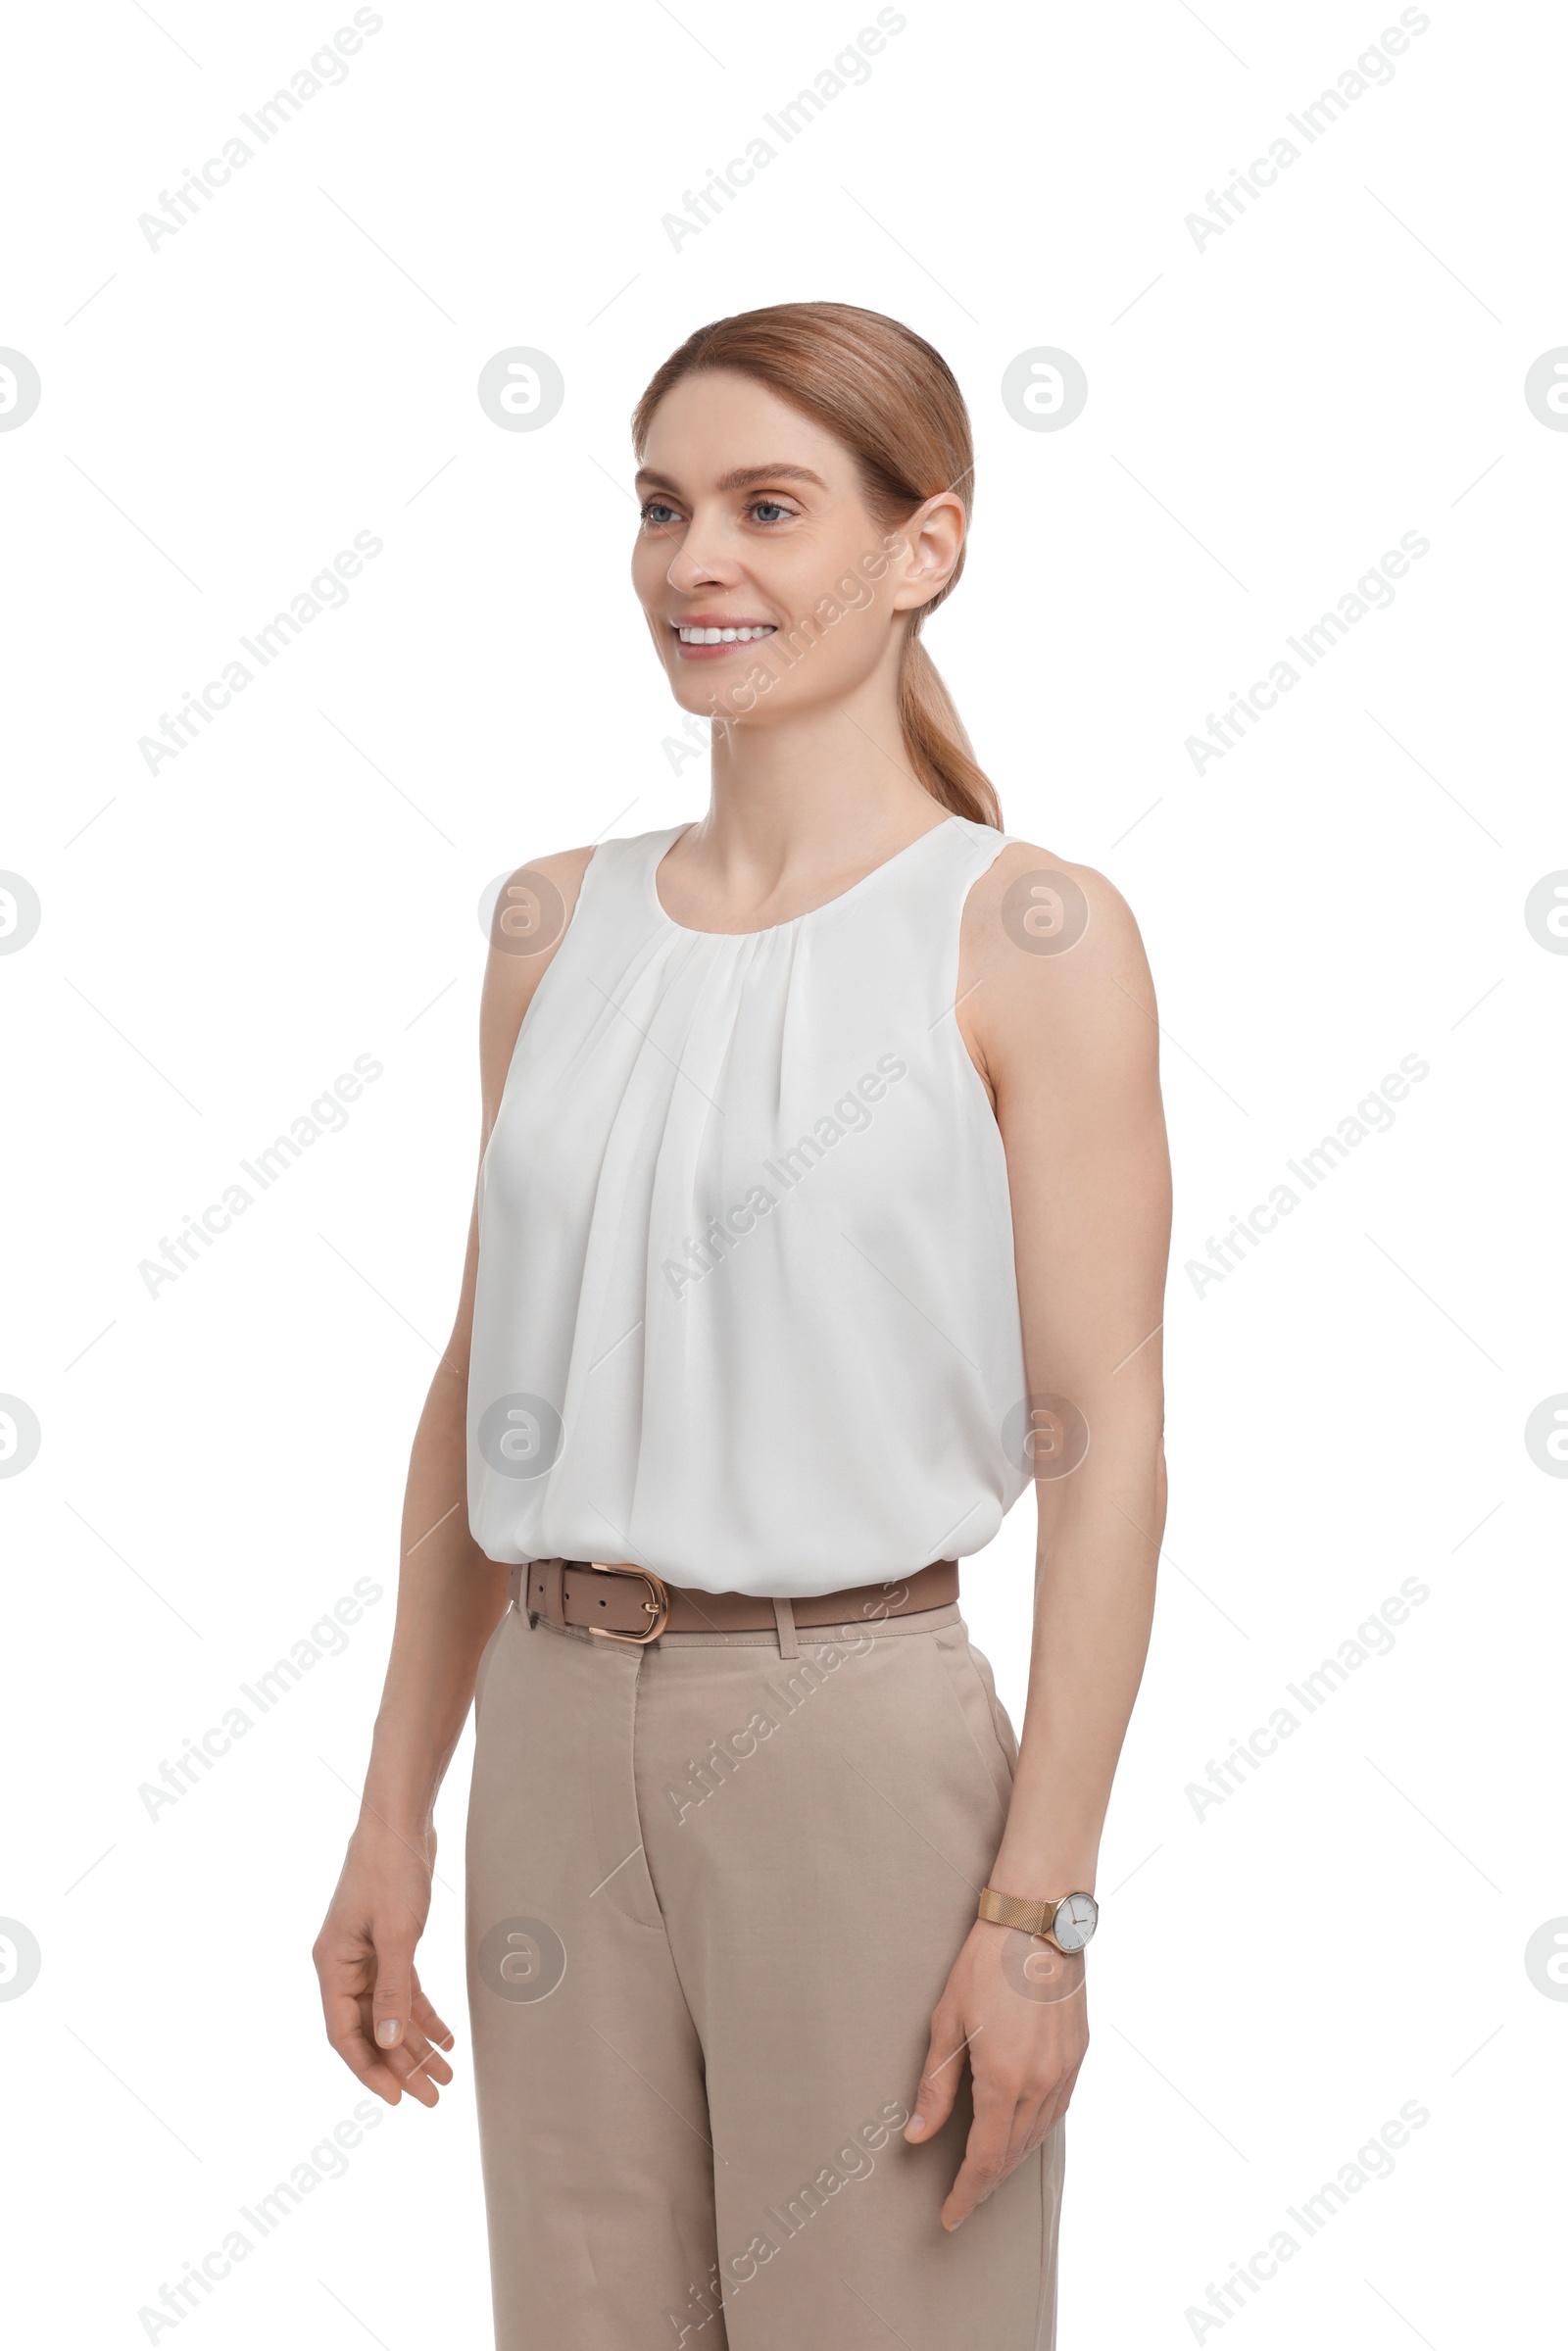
(646, 571)
(650, 569)
(843, 617)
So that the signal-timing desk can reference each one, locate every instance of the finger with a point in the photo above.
(392, 2001)
(1055, 2105)
(1056, 2096)
(411, 2073)
(984, 2157)
(426, 2020)
(1034, 2117)
(1029, 2131)
(429, 2023)
(422, 2056)
(346, 2031)
(939, 2077)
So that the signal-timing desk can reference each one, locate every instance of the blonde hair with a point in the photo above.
(896, 406)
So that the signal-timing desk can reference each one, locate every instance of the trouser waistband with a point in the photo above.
(632, 1606)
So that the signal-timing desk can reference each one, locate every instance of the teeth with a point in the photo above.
(722, 636)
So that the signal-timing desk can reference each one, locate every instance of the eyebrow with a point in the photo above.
(744, 477)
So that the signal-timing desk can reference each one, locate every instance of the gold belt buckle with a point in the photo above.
(657, 1606)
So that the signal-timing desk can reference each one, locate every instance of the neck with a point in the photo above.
(827, 787)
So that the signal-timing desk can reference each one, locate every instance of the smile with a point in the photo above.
(724, 636)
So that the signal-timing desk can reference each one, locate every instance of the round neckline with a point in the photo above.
(768, 930)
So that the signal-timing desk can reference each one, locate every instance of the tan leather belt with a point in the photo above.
(621, 1602)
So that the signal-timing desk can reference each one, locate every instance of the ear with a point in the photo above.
(930, 543)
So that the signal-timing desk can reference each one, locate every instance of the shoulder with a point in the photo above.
(1053, 965)
(535, 904)
(533, 908)
(1051, 911)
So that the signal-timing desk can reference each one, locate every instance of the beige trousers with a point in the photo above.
(713, 1892)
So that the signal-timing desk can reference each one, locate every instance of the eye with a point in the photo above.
(655, 514)
(768, 510)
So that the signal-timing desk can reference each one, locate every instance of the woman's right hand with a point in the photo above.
(377, 2019)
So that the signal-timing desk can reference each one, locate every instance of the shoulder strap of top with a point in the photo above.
(618, 877)
(915, 907)
(964, 851)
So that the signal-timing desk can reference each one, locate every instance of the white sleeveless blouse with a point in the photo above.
(747, 1311)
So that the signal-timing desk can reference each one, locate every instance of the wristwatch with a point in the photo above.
(1068, 1922)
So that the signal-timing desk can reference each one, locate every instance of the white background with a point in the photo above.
(1267, 414)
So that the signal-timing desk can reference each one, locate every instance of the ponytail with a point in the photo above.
(934, 736)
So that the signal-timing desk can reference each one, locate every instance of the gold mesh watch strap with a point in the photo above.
(1012, 1910)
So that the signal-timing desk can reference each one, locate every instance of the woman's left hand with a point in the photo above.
(1015, 2006)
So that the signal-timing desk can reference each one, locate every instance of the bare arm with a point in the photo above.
(1066, 1040)
(449, 1599)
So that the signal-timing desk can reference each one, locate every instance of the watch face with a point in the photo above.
(1076, 1922)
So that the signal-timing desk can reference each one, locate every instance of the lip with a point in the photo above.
(715, 653)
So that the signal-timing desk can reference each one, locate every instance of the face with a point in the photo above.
(767, 584)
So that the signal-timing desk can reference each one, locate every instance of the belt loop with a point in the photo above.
(784, 1617)
(537, 1590)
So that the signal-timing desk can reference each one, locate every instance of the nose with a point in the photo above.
(700, 560)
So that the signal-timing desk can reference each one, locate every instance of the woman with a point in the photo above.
(823, 1206)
